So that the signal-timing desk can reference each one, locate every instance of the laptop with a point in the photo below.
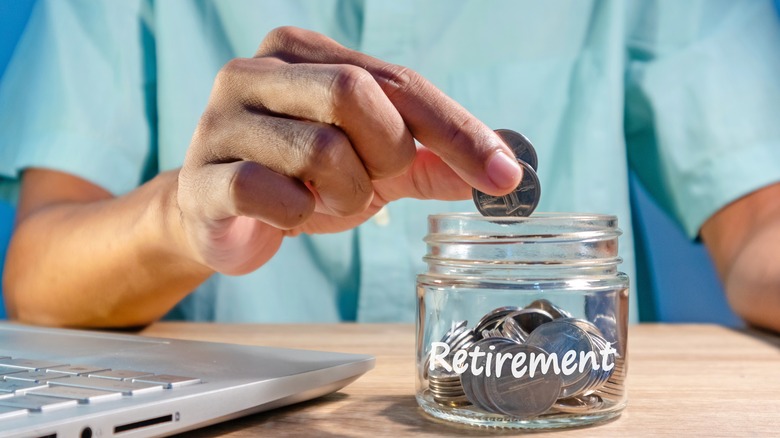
(69, 383)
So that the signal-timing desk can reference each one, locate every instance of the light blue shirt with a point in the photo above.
(684, 92)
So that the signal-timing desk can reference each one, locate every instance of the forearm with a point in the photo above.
(753, 281)
(744, 241)
(116, 262)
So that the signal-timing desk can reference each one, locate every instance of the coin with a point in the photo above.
(578, 405)
(560, 337)
(529, 318)
(520, 202)
(474, 386)
(554, 311)
(512, 330)
(492, 319)
(523, 397)
(520, 145)
(458, 337)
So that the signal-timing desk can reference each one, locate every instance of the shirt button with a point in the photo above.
(382, 217)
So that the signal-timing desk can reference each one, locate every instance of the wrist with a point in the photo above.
(172, 239)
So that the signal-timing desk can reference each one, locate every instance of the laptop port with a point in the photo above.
(145, 423)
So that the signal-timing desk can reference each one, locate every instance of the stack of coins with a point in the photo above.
(541, 328)
(447, 389)
(614, 386)
(445, 386)
(524, 199)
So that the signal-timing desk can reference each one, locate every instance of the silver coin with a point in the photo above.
(523, 397)
(578, 405)
(600, 376)
(494, 333)
(520, 202)
(474, 386)
(520, 145)
(447, 395)
(608, 326)
(492, 319)
(583, 324)
(457, 337)
(512, 330)
(560, 337)
(530, 319)
(555, 311)
(462, 341)
(455, 328)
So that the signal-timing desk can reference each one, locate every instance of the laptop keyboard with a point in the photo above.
(33, 386)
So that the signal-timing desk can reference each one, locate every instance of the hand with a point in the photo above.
(311, 137)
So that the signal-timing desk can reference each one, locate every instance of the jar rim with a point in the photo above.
(535, 217)
(544, 227)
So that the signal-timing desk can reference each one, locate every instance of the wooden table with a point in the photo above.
(683, 380)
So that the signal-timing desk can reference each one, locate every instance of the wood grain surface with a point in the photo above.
(683, 380)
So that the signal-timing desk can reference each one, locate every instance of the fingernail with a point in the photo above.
(504, 171)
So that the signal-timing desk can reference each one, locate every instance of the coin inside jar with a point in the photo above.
(525, 362)
(526, 396)
(530, 319)
(560, 337)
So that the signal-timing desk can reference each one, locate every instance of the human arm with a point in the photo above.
(704, 133)
(743, 239)
(81, 257)
(297, 140)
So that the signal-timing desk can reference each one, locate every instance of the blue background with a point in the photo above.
(13, 17)
(675, 279)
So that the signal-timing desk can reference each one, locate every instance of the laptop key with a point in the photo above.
(77, 369)
(18, 386)
(167, 380)
(9, 412)
(36, 402)
(30, 364)
(119, 374)
(36, 376)
(82, 395)
(123, 386)
(6, 370)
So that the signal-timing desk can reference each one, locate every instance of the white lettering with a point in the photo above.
(567, 364)
(605, 353)
(488, 360)
(584, 357)
(518, 361)
(532, 363)
(476, 354)
(500, 359)
(439, 357)
(539, 359)
(459, 361)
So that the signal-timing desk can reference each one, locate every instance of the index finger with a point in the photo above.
(474, 151)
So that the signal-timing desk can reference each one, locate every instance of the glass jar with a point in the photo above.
(522, 321)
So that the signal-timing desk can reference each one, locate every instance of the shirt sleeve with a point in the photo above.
(702, 103)
(76, 95)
